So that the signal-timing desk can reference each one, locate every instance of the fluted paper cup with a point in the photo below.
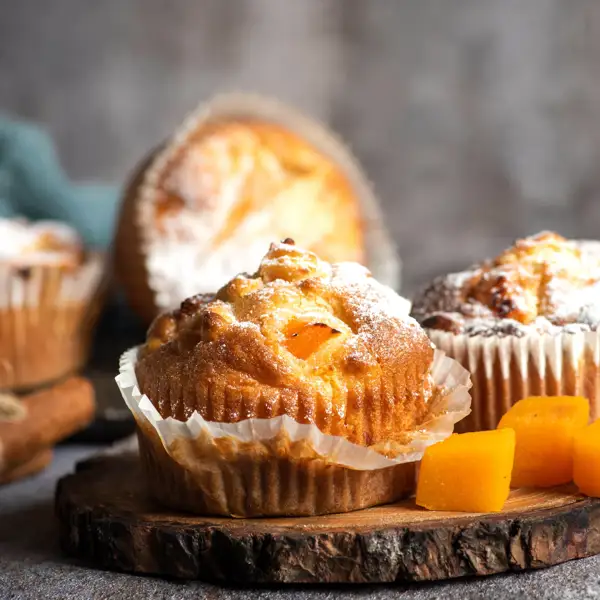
(507, 369)
(47, 313)
(260, 467)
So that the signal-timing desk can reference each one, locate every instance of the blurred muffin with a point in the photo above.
(238, 174)
(524, 323)
(323, 345)
(48, 302)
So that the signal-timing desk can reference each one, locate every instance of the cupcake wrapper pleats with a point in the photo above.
(278, 466)
(505, 370)
(46, 318)
(259, 479)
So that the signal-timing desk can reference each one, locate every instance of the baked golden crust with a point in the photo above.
(271, 168)
(323, 344)
(540, 282)
(231, 184)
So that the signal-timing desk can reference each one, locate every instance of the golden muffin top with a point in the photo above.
(542, 283)
(323, 343)
(216, 195)
(23, 243)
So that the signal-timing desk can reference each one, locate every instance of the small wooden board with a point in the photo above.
(107, 519)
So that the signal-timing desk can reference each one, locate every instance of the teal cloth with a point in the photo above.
(33, 185)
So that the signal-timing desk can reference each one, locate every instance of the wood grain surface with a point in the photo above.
(107, 519)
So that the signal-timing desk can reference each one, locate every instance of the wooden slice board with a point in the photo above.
(107, 519)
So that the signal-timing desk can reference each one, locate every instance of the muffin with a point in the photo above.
(302, 389)
(524, 324)
(238, 173)
(48, 302)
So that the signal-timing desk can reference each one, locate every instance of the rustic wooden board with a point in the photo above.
(106, 518)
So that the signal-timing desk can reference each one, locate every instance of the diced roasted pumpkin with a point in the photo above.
(468, 472)
(305, 338)
(545, 427)
(586, 460)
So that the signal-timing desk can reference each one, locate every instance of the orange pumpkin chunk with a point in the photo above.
(586, 460)
(468, 472)
(545, 427)
(305, 338)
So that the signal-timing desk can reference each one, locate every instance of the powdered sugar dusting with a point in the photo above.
(237, 196)
(544, 284)
(217, 250)
(344, 295)
(344, 288)
(42, 242)
(447, 294)
(380, 316)
(374, 298)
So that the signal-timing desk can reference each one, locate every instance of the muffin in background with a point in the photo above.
(239, 172)
(49, 301)
(524, 324)
(302, 389)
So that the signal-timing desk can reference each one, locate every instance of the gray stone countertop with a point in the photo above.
(32, 566)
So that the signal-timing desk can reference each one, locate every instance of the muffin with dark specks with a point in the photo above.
(524, 323)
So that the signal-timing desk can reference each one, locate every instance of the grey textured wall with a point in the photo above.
(478, 120)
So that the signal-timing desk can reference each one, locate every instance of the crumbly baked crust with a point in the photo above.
(544, 283)
(322, 343)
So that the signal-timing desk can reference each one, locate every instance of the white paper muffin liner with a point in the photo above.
(451, 405)
(277, 467)
(47, 313)
(507, 369)
(382, 258)
(22, 286)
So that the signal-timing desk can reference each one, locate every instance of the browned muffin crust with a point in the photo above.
(221, 184)
(323, 344)
(543, 283)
